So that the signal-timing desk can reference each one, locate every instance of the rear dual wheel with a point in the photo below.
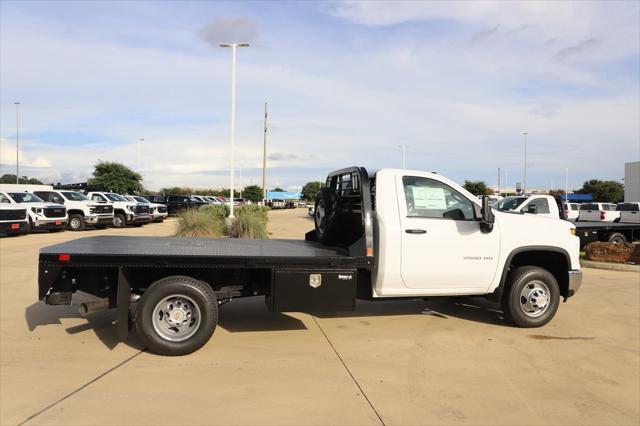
(177, 315)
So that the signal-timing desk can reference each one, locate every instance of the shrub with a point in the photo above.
(250, 222)
(218, 211)
(199, 223)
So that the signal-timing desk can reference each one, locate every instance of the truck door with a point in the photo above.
(443, 247)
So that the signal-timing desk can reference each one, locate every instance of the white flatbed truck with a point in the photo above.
(392, 234)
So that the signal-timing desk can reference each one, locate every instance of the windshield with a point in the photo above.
(74, 196)
(25, 197)
(115, 197)
(509, 203)
(195, 199)
(140, 199)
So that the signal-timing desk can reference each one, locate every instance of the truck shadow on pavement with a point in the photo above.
(102, 323)
(251, 314)
(474, 309)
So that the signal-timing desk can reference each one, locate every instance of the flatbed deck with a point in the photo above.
(160, 251)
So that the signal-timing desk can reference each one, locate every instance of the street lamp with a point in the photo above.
(524, 180)
(404, 155)
(17, 104)
(233, 47)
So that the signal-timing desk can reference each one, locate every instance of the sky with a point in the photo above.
(346, 84)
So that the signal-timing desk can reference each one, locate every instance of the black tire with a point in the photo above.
(326, 208)
(617, 238)
(29, 226)
(119, 221)
(199, 292)
(513, 301)
(76, 222)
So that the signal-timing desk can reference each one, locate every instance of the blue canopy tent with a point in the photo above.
(283, 195)
(579, 197)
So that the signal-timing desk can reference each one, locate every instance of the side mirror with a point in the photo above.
(487, 216)
(532, 209)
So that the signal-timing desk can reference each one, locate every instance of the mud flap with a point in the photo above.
(123, 304)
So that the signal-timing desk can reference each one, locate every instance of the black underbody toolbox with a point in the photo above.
(309, 290)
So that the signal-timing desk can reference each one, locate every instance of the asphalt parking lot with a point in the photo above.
(399, 362)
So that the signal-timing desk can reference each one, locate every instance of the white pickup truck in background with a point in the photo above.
(629, 212)
(125, 212)
(598, 212)
(13, 217)
(541, 205)
(42, 215)
(157, 212)
(80, 209)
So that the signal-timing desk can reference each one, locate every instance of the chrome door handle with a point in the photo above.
(415, 231)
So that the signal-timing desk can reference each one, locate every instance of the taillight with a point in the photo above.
(64, 257)
(602, 215)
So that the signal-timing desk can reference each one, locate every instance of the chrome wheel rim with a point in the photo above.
(117, 221)
(617, 240)
(75, 223)
(176, 318)
(535, 299)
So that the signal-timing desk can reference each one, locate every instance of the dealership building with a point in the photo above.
(632, 182)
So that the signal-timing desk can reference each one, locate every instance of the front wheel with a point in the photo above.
(177, 315)
(76, 222)
(119, 221)
(532, 297)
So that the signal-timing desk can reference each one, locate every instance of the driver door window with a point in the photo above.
(99, 198)
(430, 198)
(4, 200)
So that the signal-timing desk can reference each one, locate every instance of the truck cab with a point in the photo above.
(42, 215)
(541, 205)
(125, 212)
(80, 210)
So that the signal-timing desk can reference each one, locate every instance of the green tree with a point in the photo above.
(252, 193)
(604, 191)
(9, 178)
(278, 189)
(477, 187)
(116, 177)
(310, 190)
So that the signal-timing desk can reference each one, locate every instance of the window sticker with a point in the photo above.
(425, 197)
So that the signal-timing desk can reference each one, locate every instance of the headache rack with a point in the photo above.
(353, 189)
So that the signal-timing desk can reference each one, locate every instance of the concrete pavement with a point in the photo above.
(398, 362)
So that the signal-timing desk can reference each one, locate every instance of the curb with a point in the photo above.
(610, 266)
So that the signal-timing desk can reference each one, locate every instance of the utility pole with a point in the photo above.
(498, 180)
(404, 155)
(524, 180)
(17, 104)
(240, 190)
(506, 184)
(233, 47)
(264, 155)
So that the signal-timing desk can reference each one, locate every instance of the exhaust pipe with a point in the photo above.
(94, 306)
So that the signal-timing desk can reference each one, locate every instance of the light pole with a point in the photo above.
(404, 155)
(17, 104)
(524, 180)
(264, 156)
(233, 47)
